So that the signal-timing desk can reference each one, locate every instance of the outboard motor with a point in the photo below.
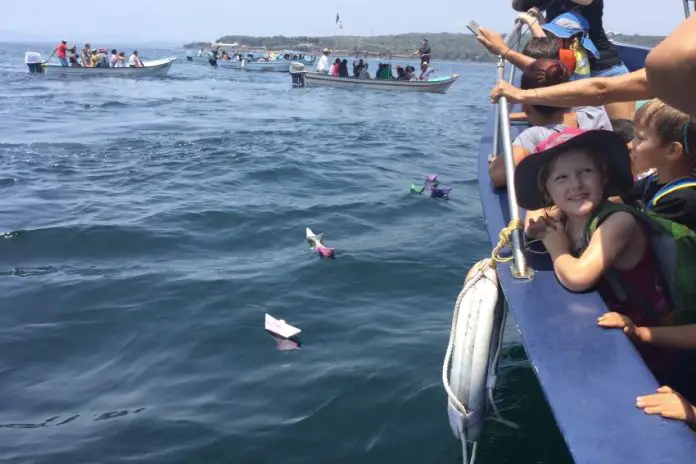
(34, 62)
(297, 72)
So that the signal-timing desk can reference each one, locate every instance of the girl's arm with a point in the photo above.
(608, 242)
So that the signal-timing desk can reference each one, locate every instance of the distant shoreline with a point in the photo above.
(445, 46)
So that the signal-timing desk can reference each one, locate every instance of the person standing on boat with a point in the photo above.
(323, 64)
(62, 51)
(424, 51)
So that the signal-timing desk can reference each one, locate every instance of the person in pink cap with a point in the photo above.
(577, 171)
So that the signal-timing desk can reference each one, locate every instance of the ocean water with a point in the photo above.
(148, 225)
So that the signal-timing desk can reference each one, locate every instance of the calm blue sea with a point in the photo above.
(146, 227)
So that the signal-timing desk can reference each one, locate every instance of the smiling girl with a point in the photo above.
(577, 171)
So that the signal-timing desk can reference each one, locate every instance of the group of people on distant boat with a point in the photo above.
(600, 153)
(339, 68)
(93, 58)
(216, 54)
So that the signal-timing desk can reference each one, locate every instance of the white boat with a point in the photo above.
(151, 68)
(269, 66)
(303, 78)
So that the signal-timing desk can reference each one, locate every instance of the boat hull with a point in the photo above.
(152, 68)
(266, 66)
(433, 86)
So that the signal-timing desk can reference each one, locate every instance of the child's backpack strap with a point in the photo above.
(679, 184)
(622, 289)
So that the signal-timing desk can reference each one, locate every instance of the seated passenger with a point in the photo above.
(536, 49)
(663, 141)
(134, 61)
(113, 58)
(400, 73)
(120, 60)
(577, 171)
(333, 69)
(544, 119)
(363, 73)
(410, 73)
(343, 69)
(73, 58)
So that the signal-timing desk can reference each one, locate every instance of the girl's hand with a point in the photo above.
(669, 404)
(503, 89)
(555, 238)
(536, 228)
(618, 321)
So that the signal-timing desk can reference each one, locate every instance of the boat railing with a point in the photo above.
(501, 133)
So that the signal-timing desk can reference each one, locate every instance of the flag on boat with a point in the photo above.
(339, 22)
(338, 18)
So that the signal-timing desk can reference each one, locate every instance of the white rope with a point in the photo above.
(493, 368)
(450, 346)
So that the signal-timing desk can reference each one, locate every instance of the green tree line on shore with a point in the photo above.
(445, 46)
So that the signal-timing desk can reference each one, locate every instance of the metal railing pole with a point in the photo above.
(496, 122)
(520, 261)
(510, 41)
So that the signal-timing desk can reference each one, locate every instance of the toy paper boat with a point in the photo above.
(280, 327)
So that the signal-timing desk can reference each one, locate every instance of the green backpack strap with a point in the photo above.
(622, 289)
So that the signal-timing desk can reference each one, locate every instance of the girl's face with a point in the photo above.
(648, 151)
(575, 183)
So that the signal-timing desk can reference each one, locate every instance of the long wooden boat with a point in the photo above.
(151, 68)
(312, 79)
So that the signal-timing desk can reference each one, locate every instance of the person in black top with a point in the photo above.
(664, 140)
(424, 51)
(609, 62)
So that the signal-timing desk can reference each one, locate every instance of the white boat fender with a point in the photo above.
(468, 372)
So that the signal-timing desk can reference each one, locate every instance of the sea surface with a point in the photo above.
(147, 226)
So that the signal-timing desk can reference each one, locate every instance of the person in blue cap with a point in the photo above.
(608, 63)
(572, 32)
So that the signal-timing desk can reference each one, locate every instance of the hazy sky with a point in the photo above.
(179, 21)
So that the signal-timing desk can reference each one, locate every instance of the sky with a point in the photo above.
(179, 21)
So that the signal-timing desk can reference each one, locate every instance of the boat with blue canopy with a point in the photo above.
(590, 377)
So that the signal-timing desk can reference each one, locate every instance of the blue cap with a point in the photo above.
(569, 24)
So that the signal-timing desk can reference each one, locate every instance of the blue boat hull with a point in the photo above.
(590, 376)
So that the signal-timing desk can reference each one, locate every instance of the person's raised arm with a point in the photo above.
(594, 91)
(671, 68)
(495, 44)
